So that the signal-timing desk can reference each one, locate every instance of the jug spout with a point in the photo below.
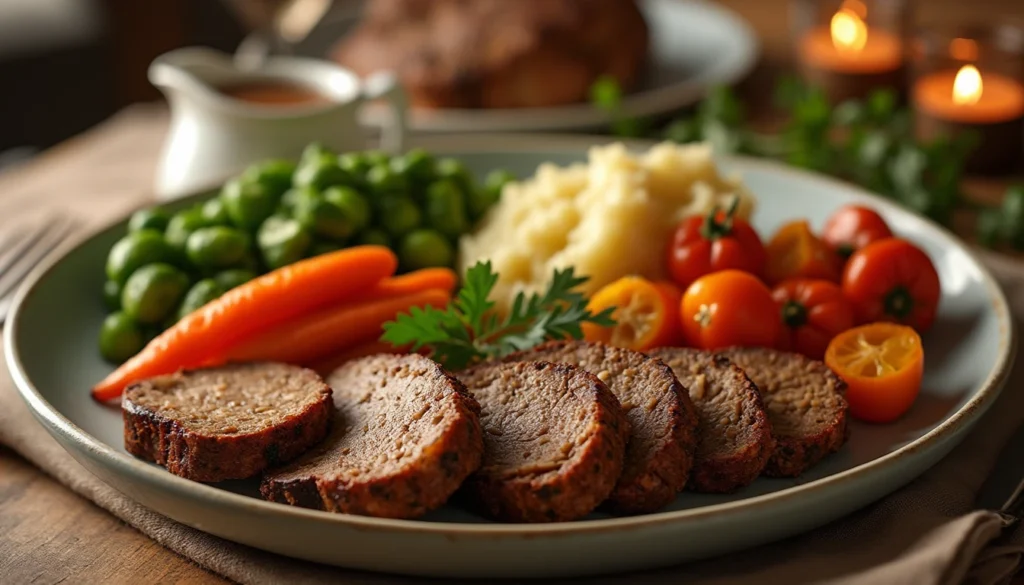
(191, 69)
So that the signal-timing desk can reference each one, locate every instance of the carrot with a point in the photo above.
(326, 365)
(410, 282)
(331, 330)
(262, 303)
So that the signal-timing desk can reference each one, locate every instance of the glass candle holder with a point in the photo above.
(849, 48)
(971, 79)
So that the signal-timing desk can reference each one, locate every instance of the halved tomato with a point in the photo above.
(646, 314)
(795, 252)
(882, 365)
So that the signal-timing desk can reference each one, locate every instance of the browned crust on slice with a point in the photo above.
(406, 436)
(555, 439)
(663, 421)
(207, 450)
(735, 434)
(805, 404)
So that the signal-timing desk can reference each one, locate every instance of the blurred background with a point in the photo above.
(66, 65)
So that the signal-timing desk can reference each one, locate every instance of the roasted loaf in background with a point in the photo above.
(498, 53)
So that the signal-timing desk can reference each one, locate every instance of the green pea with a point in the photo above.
(417, 166)
(182, 225)
(248, 204)
(135, 250)
(201, 293)
(229, 279)
(481, 199)
(445, 209)
(313, 150)
(353, 206)
(215, 212)
(154, 218)
(322, 247)
(112, 295)
(217, 247)
(354, 163)
(425, 248)
(399, 215)
(382, 179)
(275, 175)
(296, 197)
(989, 226)
(282, 241)
(375, 237)
(321, 172)
(323, 218)
(120, 337)
(153, 292)
(452, 168)
(377, 157)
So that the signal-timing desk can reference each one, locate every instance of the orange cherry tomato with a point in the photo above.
(719, 241)
(882, 365)
(813, 312)
(893, 280)
(729, 308)
(646, 314)
(795, 252)
(852, 227)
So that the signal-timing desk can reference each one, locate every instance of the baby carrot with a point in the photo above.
(332, 329)
(415, 281)
(262, 303)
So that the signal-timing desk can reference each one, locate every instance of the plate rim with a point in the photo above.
(652, 102)
(57, 423)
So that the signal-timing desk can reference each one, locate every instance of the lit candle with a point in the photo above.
(966, 96)
(988, 104)
(847, 58)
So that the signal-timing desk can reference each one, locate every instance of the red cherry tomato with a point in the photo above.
(719, 241)
(729, 308)
(893, 280)
(852, 227)
(813, 312)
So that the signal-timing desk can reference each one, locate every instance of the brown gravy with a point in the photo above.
(274, 93)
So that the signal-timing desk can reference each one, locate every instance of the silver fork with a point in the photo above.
(24, 248)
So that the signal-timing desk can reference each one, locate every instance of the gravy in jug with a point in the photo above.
(274, 92)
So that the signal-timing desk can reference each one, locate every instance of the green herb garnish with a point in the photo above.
(468, 330)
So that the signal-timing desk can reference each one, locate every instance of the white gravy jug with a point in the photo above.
(213, 136)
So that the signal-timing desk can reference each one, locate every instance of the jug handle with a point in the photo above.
(384, 85)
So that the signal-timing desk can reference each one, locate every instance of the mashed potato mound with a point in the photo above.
(608, 218)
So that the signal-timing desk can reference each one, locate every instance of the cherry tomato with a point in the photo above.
(882, 365)
(852, 227)
(795, 252)
(729, 308)
(646, 314)
(813, 312)
(719, 241)
(892, 280)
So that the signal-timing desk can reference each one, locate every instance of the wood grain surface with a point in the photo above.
(50, 535)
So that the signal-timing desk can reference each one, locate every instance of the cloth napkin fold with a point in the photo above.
(927, 533)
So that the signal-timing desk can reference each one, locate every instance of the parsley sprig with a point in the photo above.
(469, 330)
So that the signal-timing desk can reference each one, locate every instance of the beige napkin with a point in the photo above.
(926, 533)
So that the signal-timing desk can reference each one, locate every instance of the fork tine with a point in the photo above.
(51, 238)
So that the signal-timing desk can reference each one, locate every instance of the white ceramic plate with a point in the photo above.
(51, 334)
(695, 44)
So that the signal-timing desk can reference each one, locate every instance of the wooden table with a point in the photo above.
(62, 537)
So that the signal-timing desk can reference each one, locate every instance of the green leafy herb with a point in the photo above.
(468, 330)
(606, 94)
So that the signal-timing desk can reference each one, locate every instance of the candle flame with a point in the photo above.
(849, 33)
(967, 86)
